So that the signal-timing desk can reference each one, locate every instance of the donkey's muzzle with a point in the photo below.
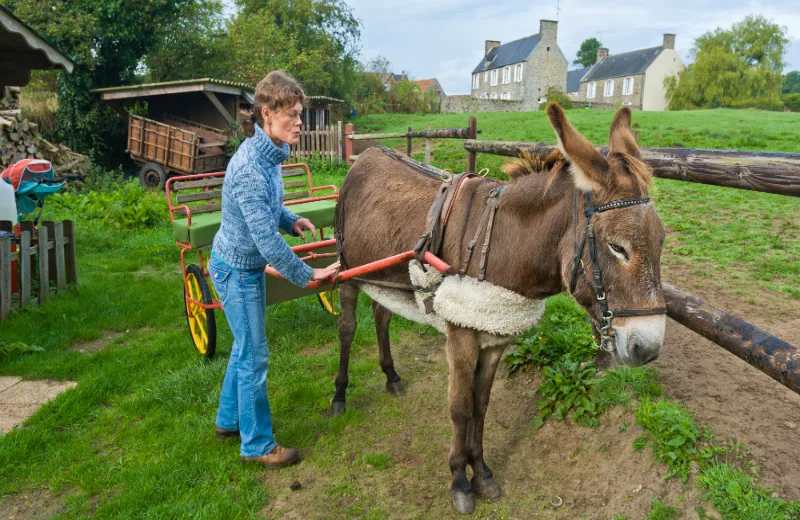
(639, 339)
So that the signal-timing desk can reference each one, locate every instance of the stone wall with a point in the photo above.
(464, 105)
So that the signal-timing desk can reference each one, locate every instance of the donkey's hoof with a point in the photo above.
(395, 388)
(462, 502)
(337, 408)
(485, 488)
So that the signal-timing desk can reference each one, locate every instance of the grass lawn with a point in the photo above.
(134, 438)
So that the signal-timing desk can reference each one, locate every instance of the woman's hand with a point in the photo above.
(303, 224)
(326, 272)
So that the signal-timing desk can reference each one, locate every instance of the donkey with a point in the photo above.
(554, 230)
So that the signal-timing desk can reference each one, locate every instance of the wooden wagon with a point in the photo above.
(185, 128)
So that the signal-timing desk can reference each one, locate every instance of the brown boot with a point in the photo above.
(279, 457)
(221, 434)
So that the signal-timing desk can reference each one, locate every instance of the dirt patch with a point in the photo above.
(30, 504)
(107, 337)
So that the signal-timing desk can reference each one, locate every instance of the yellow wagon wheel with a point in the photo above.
(330, 300)
(202, 325)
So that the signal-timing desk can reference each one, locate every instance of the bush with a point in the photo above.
(128, 206)
(792, 102)
(767, 103)
(555, 95)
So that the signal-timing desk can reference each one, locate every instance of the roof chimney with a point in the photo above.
(490, 44)
(602, 52)
(548, 30)
(669, 41)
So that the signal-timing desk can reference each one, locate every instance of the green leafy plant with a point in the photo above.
(16, 349)
(673, 433)
(569, 386)
(128, 206)
(563, 331)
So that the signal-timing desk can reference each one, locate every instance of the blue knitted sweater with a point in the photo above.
(253, 211)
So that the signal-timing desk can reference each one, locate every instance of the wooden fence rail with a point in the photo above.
(768, 172)
(324, 144)
(48, 256)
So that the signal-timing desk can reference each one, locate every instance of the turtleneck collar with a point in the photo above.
(267, 148)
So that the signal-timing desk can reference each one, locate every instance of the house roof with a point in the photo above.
(324, 98)
(574, 79)
(24, 48)
(176, 87)
(625, 64)
(508, 53)
(424, 84)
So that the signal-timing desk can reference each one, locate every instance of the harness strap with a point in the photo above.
(488, 214)
(491, 204)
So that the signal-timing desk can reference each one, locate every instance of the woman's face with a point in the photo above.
(283, 126)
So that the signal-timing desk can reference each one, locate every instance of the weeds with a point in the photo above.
(733, 494)
(568, 386)
(673, 432)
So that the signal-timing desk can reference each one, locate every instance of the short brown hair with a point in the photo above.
(276, 91)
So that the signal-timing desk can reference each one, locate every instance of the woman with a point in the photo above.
(248, 239)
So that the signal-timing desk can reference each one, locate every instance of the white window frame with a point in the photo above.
(493, 78)
(476, 81)
(493, 96)
(507, 95)
(485, 76)
(518, 72)
(627, 86)
(591, 90)
(506, 75)
(608, 88)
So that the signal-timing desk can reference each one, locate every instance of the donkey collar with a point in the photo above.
(607, 330)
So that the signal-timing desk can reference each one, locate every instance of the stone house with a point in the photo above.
(635, 78)
(521, 70)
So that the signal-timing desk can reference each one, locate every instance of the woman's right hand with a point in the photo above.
(326, 272)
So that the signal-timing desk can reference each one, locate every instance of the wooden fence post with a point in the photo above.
(58, 242)
(5, 277)
(44, 265)
(408, 143)
(427, 147)
(472, 133)
(348, 142)
(339, 140)
(71, 260)
(24, 268)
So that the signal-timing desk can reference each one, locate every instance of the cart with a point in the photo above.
(195, 208)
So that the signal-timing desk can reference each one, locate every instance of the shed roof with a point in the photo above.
(508, 53)
(24, 49)
(625, 64)
(574, 79)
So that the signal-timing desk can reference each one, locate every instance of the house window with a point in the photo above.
(590, 90)
(627, 87)
(507, 95)
(518, 72)
(493, 80)
(493, 96)
(475, 81)
(485, 76)
(506, 75)
(608, 89)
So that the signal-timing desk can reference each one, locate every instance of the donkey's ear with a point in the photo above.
(621, 138)
(589, 167)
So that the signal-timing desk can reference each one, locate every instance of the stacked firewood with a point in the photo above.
(20, 139)
(9, 99)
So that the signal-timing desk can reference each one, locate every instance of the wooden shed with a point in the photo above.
(22, 50)
(322, 111)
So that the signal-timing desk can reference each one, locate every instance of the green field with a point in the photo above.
(134, 438)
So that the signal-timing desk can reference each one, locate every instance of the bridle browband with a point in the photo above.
(606, 330)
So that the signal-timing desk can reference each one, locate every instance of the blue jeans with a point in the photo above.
(243, 403)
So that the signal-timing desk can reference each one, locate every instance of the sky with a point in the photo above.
(445, 38)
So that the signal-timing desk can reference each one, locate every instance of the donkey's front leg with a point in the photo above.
(348, 301)
(462, 356)
(383, 318)
(483, 481)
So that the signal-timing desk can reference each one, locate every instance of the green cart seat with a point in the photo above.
(205, 225)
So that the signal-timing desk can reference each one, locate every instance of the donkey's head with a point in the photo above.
(617, 241)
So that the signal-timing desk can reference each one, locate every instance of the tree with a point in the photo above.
(791, 83)
(107, 39)
(733, 68)
(587, 54)
(193, 45)
(315, 40)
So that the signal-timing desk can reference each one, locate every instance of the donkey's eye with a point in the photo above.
(619, 250)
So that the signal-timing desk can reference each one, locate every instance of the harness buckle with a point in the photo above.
(601, 298)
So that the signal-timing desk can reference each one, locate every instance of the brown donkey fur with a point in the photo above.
(382, 211)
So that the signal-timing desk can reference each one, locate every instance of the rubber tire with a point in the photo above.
(153, 176)
(207, 299)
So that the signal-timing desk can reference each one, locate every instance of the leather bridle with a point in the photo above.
(608, 315)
